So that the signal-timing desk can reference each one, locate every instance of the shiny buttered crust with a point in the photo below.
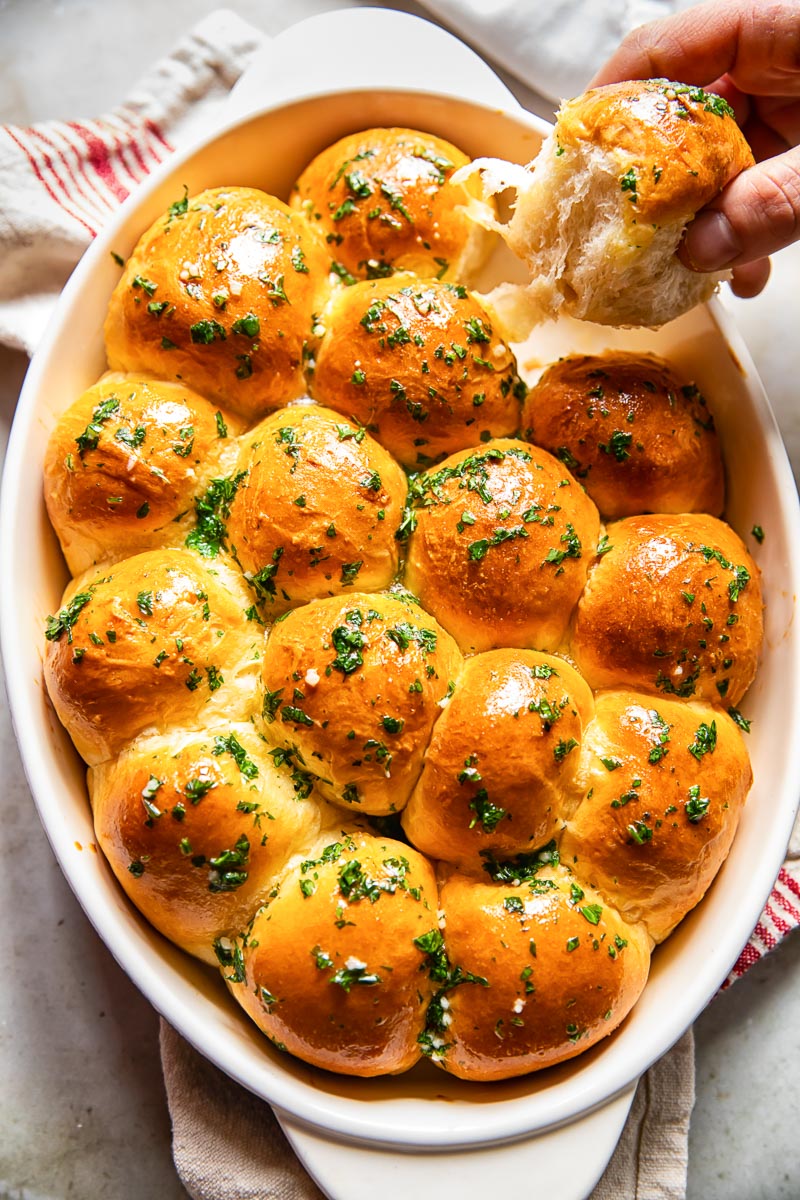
(503, 540)
(638, 438)
(160, 641)
(499, 773)
(330, 968)
(601, 211)
(125, 461)
(352, 688)
(550, 966)
(681, 144)
(384, 201)
(220, 293)
(239, 662)
(420, 365)
(664, 783)
(196, 829)
(317, 507)
(673, 606)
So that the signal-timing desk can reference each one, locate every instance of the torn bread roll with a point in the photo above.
(600, 212)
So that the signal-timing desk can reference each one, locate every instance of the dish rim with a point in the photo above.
(291, 1093)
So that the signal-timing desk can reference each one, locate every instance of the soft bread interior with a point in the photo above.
(574, 226)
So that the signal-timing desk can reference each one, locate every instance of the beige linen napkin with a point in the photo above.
(227, 1144)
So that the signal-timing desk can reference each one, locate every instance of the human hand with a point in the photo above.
(747, 51)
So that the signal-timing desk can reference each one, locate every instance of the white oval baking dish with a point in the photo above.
(329, 1116)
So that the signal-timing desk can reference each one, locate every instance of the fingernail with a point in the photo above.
(711, 242)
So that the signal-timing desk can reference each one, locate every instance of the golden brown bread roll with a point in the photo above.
(503, 540)
(215, 741)
(319, 497)
(220, 292)
(638, 439)
(499, 770)
(553, 969)
(672, 606)
(196, 828)
(160, 640)
(384, 201)
(600, 212)
(125, 461)
(664, 785)
(329, 968)
(352, 688)
(420, 365)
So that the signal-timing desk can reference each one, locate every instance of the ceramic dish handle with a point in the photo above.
(565, 1162)
(359, 48)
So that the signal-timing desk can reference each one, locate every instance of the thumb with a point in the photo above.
(755, 215)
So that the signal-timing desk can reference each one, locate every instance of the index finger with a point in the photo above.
(694, 46)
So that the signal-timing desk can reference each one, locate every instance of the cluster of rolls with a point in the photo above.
(408, 696)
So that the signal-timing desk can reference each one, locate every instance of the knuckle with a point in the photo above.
(777, 191)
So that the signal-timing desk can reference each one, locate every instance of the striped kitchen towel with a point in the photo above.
(61, 180)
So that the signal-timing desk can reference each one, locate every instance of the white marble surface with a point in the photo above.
(82, 1108)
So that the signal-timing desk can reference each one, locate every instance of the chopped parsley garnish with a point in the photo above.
(741, 576)
(523, 867)
(91, 435)
(146, 285)
(611, 764)
(618, 445)
(144, 602)
(628, 184)
(203, 333)
(291, 714)
(195, 789)
(563, 748)
(640, 832)
(212, 509)
(229, 744)
(573, 547)
(738, 719)
(179, 207)
(478, 550)
(248, 325)
(271, 704)
(490, 815)
(350, 570)
(404, 633)
(705, 740)
(63, 621)
(226, 867)
(697, 805)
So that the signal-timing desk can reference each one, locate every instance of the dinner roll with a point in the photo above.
(221, 292)
(125, 461)
(550, 966)
(638, 439)
(196, 826)
(664, 783)
(674, 606)
(502, 544)
(499, 771)
(159, 641)
(319, 505)
(330, 968)
(600, 212)
(352, 688)
(419, 364)
(384, 201)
